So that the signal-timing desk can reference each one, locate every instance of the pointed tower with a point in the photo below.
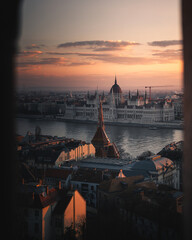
(100, 139)
(115, 79)
(145, 97)
(117, 93)
(100, 116)
(103, 147)
(129, 95)
(137, 93)
(103, 96)
(116, 88)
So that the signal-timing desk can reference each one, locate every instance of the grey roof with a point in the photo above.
(103, 163)
(136, 172)
(144, 164)
(142, 167)
(154, 163)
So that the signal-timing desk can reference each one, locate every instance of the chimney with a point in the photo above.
(71, 187)
(59, 185)
(23, 181)
(102, 173)
(40, 182)
(33, 196)
(142, 194)
(47, 190)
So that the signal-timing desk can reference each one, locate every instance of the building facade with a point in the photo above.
(140, 207)
(87, 182)
(159, 169)
(116, 109)
(47, 213)
(46, 151)
(36, 205)
(70, 215)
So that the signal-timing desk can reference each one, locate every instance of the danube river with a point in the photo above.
(129, 140)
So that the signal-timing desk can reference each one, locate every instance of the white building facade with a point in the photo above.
(136, 109)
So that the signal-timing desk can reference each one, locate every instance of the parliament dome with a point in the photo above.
(115, 88)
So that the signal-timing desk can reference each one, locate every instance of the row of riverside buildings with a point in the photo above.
(70, 189)
(118, 108)
(135, 109)
(43, 151)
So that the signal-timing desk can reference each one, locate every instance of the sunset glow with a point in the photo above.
(73, 45)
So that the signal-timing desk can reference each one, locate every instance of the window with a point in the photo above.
(26, 212)
(25, 226)
(58, 222)
(36, 213)
(36, 228)
(84, 187)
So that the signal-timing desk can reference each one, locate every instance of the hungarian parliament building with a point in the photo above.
(134, 109)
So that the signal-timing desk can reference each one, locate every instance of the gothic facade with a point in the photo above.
(118, 109)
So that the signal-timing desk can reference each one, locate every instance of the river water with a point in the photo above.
(129, 140)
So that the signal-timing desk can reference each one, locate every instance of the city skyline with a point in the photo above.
(83, 45)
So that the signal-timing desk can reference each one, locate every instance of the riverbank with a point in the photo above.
(177, 124)
(129, 140)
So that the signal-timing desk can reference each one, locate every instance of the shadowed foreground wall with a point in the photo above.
(10, 11)
(187, 169)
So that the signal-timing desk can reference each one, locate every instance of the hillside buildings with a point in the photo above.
(160, 170)
(86, 181)
(129, 197)
(43, 151)
(47, 213)
(141, 208)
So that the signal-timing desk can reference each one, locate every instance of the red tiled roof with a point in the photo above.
(92, 176)
(100, 138)
(19, 138)
(37, 200)
(115, 184)
(55, 173)
(113, 151)
(48, 199)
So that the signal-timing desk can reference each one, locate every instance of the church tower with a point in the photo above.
(103, 147)
(117, 93)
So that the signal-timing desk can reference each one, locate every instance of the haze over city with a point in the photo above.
(82, 45)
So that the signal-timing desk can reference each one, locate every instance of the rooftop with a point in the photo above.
(102, 163)
(154, 163)
(119, 184)
(59, 173)
(115, 88)
(36, 196)
(85, 175)
(145, 198)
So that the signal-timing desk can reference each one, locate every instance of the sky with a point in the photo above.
(83, 44)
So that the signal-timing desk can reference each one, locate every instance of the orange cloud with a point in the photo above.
(28, 53)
